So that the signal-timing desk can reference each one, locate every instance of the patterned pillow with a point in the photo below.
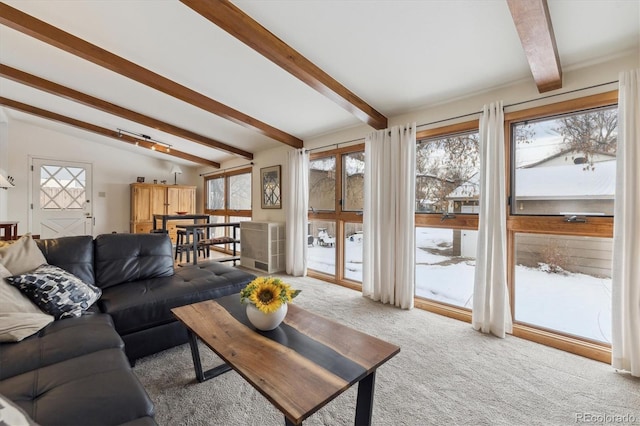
(56, 291)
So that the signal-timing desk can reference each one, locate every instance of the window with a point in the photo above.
(447, 191)
(62, 188)
(447, 173)
(560, 222)
(216, 193)
(565, 164)
(322, 184)
(353, 182)
(228, 199)
(240, 192)
(563, 283)
(336, 201)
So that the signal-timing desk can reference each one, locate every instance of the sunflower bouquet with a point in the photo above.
(268, 294)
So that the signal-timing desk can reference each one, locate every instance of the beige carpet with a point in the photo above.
(445, 374)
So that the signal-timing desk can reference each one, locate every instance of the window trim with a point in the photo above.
(468, 221)
(226, 212)
(338, 216)
(595, 227)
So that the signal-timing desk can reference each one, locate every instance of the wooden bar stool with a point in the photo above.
(185, 246)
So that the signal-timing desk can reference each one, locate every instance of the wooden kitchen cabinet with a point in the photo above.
(148, 199)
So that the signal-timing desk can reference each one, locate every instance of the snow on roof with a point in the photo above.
(565, 182)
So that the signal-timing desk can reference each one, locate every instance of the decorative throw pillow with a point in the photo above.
(11, 414)
(56, 291)
(22, 256)
(19, 317)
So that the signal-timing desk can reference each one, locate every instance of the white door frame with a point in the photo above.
(33, 177)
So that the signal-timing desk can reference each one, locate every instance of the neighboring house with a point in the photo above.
(561, 184)
(567, 184)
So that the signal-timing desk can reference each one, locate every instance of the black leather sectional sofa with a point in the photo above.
(77, 371)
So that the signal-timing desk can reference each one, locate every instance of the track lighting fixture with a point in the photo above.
(146, 138)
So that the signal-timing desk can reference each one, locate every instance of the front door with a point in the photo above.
(61, 198)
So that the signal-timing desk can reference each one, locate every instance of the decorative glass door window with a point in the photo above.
(62, 188)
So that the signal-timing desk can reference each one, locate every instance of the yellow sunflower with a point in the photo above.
(266, 297)
(267, 293)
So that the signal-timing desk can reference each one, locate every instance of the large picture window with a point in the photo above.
(560, 222)
(447, 193)
(336, 201)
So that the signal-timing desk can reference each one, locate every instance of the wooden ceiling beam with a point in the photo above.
(29, 109)
(90, 101)
(27, 24)
(533, 24)
(241, 26)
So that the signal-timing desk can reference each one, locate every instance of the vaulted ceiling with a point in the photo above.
(214, 80)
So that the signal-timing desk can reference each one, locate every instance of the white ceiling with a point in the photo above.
(396, 55)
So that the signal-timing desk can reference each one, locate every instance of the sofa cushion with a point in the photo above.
(121, 258)
(73, 254)
(147, 303)
(21, 256)
(19, 316)
(97, 388)
(59, 341)
(56, 291)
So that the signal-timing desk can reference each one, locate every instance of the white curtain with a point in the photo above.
(296, 209)
(625, 294)
(388, 222)
(491, 312)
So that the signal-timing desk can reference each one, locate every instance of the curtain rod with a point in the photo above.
(520, 103)
(228, 168)
(333, 144)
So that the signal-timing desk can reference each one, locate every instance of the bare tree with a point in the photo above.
(590, 133)
(442, 165)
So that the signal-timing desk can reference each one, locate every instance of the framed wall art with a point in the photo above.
(271, 188)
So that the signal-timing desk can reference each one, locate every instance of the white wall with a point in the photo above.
(113, 170)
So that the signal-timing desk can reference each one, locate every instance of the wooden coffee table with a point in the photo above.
(299, 367)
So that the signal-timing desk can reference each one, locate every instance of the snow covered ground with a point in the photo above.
(572, 303)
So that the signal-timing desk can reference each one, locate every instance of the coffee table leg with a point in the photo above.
(364, 404)
(202, 376)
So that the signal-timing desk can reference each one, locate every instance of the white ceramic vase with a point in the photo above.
(266, 322)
